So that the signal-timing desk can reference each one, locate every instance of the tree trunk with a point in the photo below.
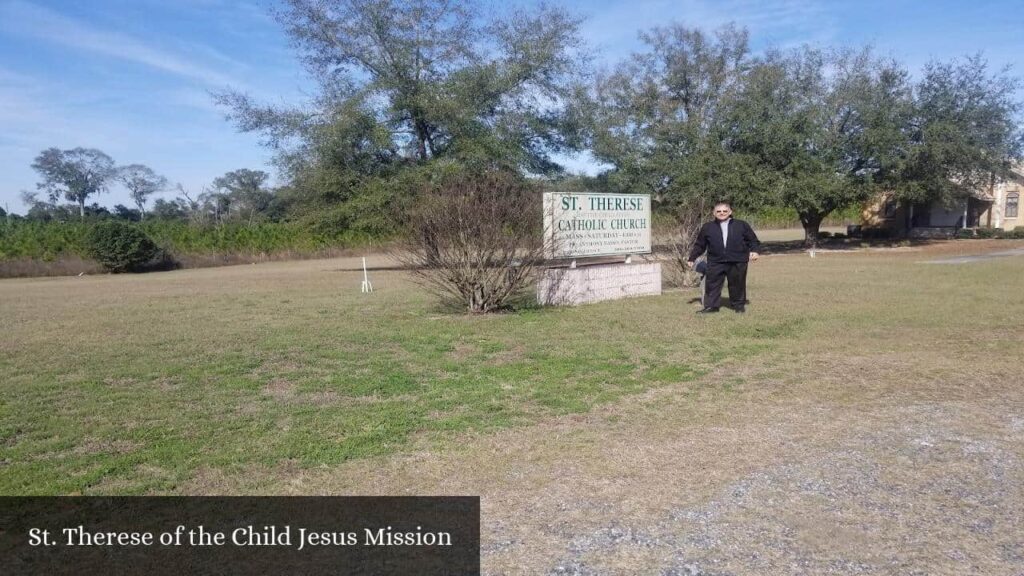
(422, 148)
(81, 208)
(812, 224)
(477, 303)
(421, 136)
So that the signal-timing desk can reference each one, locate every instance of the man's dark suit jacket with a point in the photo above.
(742, 241)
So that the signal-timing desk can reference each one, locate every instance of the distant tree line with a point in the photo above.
(412, 93)
(76, 175)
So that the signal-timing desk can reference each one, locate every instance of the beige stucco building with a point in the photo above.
(1004, 212)
(995, 207)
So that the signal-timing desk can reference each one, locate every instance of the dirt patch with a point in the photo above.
(323, 398)
(92, 447)
(280, 388)
(140, 475)
(509, 356)
(462, 351)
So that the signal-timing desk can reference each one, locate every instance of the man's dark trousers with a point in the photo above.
(718, 272)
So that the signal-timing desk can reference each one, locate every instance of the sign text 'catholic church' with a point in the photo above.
(580, 224)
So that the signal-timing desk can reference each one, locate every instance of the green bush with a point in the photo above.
(964, 233)
(1016, 233)
(990, 232)
(120, 247)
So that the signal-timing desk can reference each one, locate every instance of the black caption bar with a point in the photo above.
(308, 535)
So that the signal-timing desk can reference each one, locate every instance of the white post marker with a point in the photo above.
(366, 287)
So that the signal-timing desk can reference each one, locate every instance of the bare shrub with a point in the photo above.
(476, 239)
(679, 233)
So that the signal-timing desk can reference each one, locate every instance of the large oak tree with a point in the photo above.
(827, 128)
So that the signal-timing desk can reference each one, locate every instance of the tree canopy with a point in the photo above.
(408, 84)
(141, 182)
(964, 131)
(74, 174)
(826, 128)
(244, 193)
(659, 117)
(422, 79)
(695, 117)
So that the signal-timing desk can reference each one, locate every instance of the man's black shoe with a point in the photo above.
(707, 311)
(740, 310)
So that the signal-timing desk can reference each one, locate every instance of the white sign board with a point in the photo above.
(578, 224)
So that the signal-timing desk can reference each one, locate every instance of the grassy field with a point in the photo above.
(283, 378)
(129, 384)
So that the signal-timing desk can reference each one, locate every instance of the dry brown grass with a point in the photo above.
(63, 266)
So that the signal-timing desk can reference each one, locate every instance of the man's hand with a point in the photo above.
(754, 256)
(689, 263)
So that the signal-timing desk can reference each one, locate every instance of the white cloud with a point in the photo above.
(37, 113)
(24, 18)
(614, 30)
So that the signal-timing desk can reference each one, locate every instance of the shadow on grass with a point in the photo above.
(843, 244)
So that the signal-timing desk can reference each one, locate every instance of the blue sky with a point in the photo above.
(132, 77)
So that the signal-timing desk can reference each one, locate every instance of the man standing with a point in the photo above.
(730, 245)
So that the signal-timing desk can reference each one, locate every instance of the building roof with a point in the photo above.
(989, 194)
(1017, 170)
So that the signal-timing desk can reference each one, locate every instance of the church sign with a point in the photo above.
(580, 224)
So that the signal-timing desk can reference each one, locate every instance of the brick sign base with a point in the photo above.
(572, 286)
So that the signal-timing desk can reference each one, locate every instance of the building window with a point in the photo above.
(1012, 200)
